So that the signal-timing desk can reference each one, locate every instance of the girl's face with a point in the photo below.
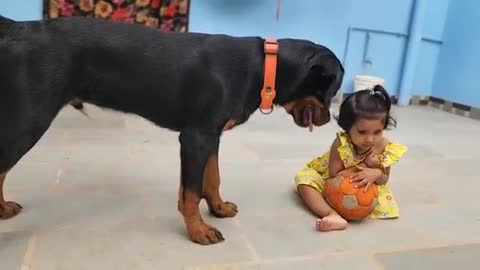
(366, 133)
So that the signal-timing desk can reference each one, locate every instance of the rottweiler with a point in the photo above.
(196, 84)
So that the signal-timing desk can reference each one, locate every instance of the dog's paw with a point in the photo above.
(9, 209)
(223, 209)
(204, 234)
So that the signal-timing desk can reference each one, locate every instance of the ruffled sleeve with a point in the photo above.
(392, 154)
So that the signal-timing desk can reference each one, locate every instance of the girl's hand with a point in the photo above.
(365, 177)
(372, 161)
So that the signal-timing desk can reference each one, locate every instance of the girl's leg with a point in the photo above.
(329, 219)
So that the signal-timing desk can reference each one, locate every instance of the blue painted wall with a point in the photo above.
(436, 14)
(322, 21)
(377, 41)
(369, 36)
(457, 76)
(378, 37)
(21, 9)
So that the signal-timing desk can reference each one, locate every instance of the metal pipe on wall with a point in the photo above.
(412, 52)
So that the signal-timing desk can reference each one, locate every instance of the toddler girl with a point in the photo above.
(361, 149)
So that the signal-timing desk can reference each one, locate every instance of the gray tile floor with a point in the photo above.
(100, 193)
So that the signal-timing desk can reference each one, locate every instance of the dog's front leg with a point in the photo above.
(195, 148)
(211, 189)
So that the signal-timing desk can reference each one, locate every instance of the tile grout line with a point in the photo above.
(250, 246)
(59, 175)
(30, 252)
(63, 162)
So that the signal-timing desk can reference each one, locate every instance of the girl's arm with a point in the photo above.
(384, 178)
(335, 164)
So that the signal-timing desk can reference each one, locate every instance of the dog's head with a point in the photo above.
(310, 76)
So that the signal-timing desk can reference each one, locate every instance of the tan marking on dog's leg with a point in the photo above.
(180, 199)
(7, 209)
(211, 190)
(197, 229)
(229, 125)
(2, 180)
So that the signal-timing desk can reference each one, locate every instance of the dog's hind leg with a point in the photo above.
(7, 209)
(195, 148)
(211, 190)
(23, 130)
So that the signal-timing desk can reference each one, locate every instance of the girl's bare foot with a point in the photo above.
(330, 223)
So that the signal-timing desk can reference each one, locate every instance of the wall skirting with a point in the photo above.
(445, 105)
(448, 106)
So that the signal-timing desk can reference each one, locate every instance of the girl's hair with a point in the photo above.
(365, 104)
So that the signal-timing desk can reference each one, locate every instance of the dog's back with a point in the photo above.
(87, 54)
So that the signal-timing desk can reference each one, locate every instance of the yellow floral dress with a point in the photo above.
(315, 172)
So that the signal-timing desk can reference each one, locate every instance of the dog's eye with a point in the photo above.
(320, 98)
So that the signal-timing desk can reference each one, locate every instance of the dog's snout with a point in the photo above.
(324, 117)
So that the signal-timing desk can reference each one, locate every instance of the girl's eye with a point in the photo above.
(377, 132)
(362, 132)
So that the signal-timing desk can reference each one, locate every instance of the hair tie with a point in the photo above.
(377, 93)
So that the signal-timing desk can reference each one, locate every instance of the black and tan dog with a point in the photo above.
(196, 84)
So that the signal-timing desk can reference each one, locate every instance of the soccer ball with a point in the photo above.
(351, 203)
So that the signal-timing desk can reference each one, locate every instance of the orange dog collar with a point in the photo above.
(268, 92)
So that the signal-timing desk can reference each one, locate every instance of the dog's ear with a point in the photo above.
(307, 69)
(318, 82)
(324, 78)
